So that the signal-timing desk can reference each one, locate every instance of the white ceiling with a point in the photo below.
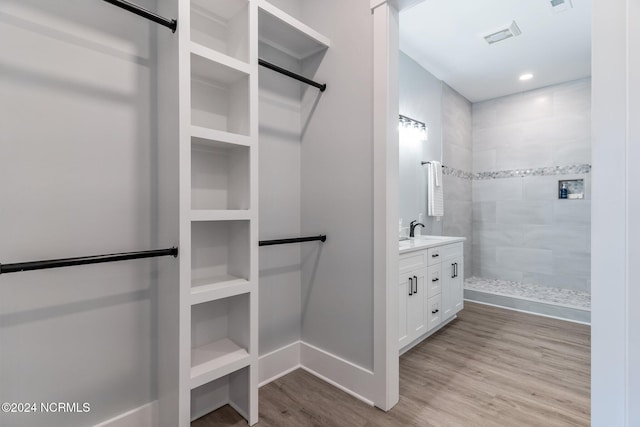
(446, 38)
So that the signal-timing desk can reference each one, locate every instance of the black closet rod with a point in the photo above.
(94, 259)
(291, 74)
(134, 8)
(322, 238)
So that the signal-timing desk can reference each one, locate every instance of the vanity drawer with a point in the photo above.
(437, 254)
(434, 312)
(412, 261)
(434, 280)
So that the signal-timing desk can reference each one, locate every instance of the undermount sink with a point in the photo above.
(420, 241)
(408, 244)
(428, 239)
(424, 237)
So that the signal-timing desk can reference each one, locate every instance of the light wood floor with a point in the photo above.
(490, 367)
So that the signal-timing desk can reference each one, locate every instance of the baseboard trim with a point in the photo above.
(345, 375)
(340, 373)
(338, 386)
(278, 363)
(143, 416)
(584, 319)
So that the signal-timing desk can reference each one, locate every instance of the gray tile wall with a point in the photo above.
(457, 153)
(521, 230)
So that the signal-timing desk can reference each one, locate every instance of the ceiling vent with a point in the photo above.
(560, 5)
(506, 33)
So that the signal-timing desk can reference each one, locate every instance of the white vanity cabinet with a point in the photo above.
(413, 310)
(430, 286)
(434, 296)
(449, 258)
(452, 293)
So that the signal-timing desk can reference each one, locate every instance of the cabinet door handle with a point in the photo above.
(453, 270)
(435, 280)
(415, 280)
(456, 268)
(410, 286)
(434, 311)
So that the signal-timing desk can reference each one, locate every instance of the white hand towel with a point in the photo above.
(435, 193)
(437, 167)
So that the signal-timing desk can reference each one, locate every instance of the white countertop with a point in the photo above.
(424, 242)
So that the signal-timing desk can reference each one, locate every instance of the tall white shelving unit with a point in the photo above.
(208, 159)
(208, 185)
(219, 212)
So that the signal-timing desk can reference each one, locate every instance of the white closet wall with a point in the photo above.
(280, 147)
(337, 186)
(335, 168)
(316, 176)
(78, 173)
(118, 135)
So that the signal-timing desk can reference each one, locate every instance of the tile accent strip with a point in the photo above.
(458, 173)
(518, 173)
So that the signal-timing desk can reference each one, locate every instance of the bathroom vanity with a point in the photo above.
(430, 286)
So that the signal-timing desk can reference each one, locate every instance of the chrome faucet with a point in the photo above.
(412, 227)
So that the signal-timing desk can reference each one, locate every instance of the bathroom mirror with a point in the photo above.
(421, 100)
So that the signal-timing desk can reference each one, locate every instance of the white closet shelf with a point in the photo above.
(220, 58)
(285, 33)
(212, 71)
(220, 281)
(219, 181)
(201, 215)
(217, 288)
(214, 136)
(215, 360)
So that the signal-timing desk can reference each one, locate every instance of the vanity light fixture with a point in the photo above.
(526, 76)
(413, 127)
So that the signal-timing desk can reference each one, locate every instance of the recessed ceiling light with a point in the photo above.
(526, 76)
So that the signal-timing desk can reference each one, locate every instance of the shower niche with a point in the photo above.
(574, 189)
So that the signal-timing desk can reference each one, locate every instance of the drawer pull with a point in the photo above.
(435, 280)
(435, 255)
(434, 311)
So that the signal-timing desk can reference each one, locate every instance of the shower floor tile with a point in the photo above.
(562, 297)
